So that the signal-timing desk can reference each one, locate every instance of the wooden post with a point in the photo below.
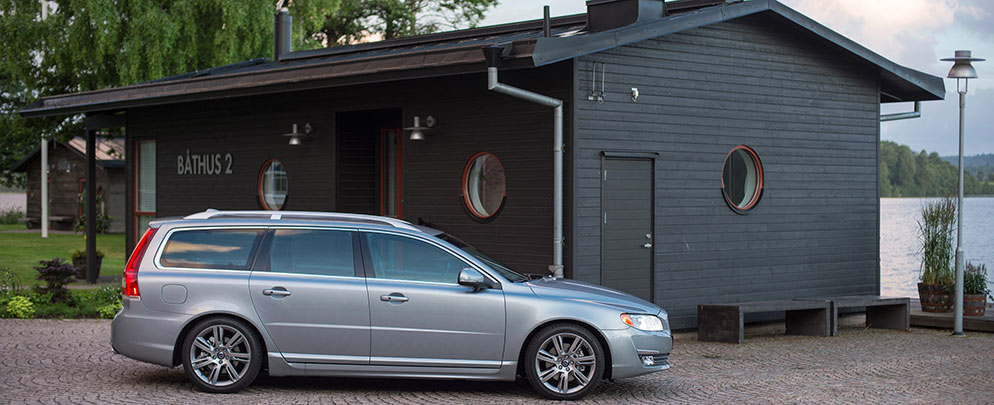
(91, 206)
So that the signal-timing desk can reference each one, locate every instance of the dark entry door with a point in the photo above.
(626, 226)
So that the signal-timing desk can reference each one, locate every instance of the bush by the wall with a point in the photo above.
(56, 273)
(19, 307)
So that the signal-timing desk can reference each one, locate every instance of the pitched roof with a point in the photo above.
(109, 154)
(460, 52)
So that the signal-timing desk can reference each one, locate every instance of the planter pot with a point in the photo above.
(935, 298)
(80, 265)
(974, 304)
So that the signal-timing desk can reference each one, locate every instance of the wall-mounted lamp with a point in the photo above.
(418, 131)
(297, 137)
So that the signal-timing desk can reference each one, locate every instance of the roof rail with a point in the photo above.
(276, 215)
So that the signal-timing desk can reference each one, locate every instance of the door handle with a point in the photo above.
(394, 297)
(276, 292)
(647, 245)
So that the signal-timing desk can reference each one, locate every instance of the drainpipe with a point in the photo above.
(903, 116)
(493, 84)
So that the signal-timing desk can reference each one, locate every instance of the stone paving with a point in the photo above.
(70, 361)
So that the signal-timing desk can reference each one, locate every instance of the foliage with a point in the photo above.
(94, 44)
(905, 174)
(982, 165)
(20, 307)
(10, 284)
(935, 230)
(56, 273)
(10, 215)
(103, 221)
(358, 20)
(975, 280)
(80, 254)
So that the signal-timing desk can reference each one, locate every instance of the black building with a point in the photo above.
(712, 152)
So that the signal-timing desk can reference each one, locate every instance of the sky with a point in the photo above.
(913, 33)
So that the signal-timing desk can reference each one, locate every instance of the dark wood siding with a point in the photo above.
(807, 110)
(470, 119)
(67, 168)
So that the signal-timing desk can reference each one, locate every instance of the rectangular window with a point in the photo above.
(144, 185)
(402, 258)
(222, 249)
(306, 251)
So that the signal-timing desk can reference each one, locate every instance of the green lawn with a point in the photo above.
(21, 251)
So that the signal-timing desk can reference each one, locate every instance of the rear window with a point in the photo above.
(223, 249)
(306, 251)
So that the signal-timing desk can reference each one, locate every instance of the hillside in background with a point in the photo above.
(981, 165)
(904, 173)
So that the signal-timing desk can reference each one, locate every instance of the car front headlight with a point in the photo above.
(649, 323)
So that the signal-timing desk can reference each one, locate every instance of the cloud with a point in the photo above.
(938, 128)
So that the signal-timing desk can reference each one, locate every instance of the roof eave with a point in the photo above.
(552, 50)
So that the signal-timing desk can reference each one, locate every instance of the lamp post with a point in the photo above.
(962, 69)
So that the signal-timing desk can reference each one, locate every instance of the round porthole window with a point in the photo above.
(484, 186)
(272, 185)
(742, 179)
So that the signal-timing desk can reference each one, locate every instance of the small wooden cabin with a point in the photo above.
(67, 180)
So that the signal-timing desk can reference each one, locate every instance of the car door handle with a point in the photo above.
(395, 297)
(276, 291)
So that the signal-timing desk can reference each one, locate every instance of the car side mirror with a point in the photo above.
(473, 278)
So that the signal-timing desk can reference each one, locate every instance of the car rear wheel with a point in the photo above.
(564, 361)
(222, 355)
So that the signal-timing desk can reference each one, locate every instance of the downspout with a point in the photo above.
(493, 55)
(903, 116)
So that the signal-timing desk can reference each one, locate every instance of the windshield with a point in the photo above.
(509, 274)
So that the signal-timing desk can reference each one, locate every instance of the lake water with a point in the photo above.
(899, 259)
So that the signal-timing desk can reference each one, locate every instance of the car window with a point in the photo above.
(223, 249)
(311, 251)
(402, 258)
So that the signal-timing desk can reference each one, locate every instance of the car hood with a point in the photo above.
(586, 292)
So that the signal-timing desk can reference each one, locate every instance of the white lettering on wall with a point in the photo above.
(204, 164)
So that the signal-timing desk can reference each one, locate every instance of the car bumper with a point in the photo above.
(630, 346)
(146, 335)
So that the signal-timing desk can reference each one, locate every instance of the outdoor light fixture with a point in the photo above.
(296, 137)
(418, 131)
(962, 69)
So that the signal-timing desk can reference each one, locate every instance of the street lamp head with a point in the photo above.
(962, 67)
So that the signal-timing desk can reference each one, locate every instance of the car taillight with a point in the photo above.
(129, 282)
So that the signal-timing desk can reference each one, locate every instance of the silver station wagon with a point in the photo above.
(228, 294)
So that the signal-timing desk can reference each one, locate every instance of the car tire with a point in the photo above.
(564, 361)
(222, 355)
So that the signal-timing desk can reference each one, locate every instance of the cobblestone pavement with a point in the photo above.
(70, 361)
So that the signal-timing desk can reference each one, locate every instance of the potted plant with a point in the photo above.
(975, 290)
(79, 262)
(935, 231)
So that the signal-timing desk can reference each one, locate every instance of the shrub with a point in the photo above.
(10, 215)
(81, 255)
(20, 307)
(108, 311)
(10, 284)
(935, 230)
(56, 273)
(975, 280)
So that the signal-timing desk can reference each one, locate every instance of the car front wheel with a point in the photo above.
(564, 361)
(222, 355)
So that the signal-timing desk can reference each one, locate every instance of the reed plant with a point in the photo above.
(935, 231)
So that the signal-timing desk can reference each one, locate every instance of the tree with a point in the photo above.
(95, 44)
(358, 20)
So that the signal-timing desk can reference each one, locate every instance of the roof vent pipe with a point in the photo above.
(546, 23)
(493, 54)
(282, 30)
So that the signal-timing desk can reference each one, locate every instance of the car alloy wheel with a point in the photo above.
(566, 362)
(222, 355)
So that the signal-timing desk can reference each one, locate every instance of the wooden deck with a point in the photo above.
(945, 320)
